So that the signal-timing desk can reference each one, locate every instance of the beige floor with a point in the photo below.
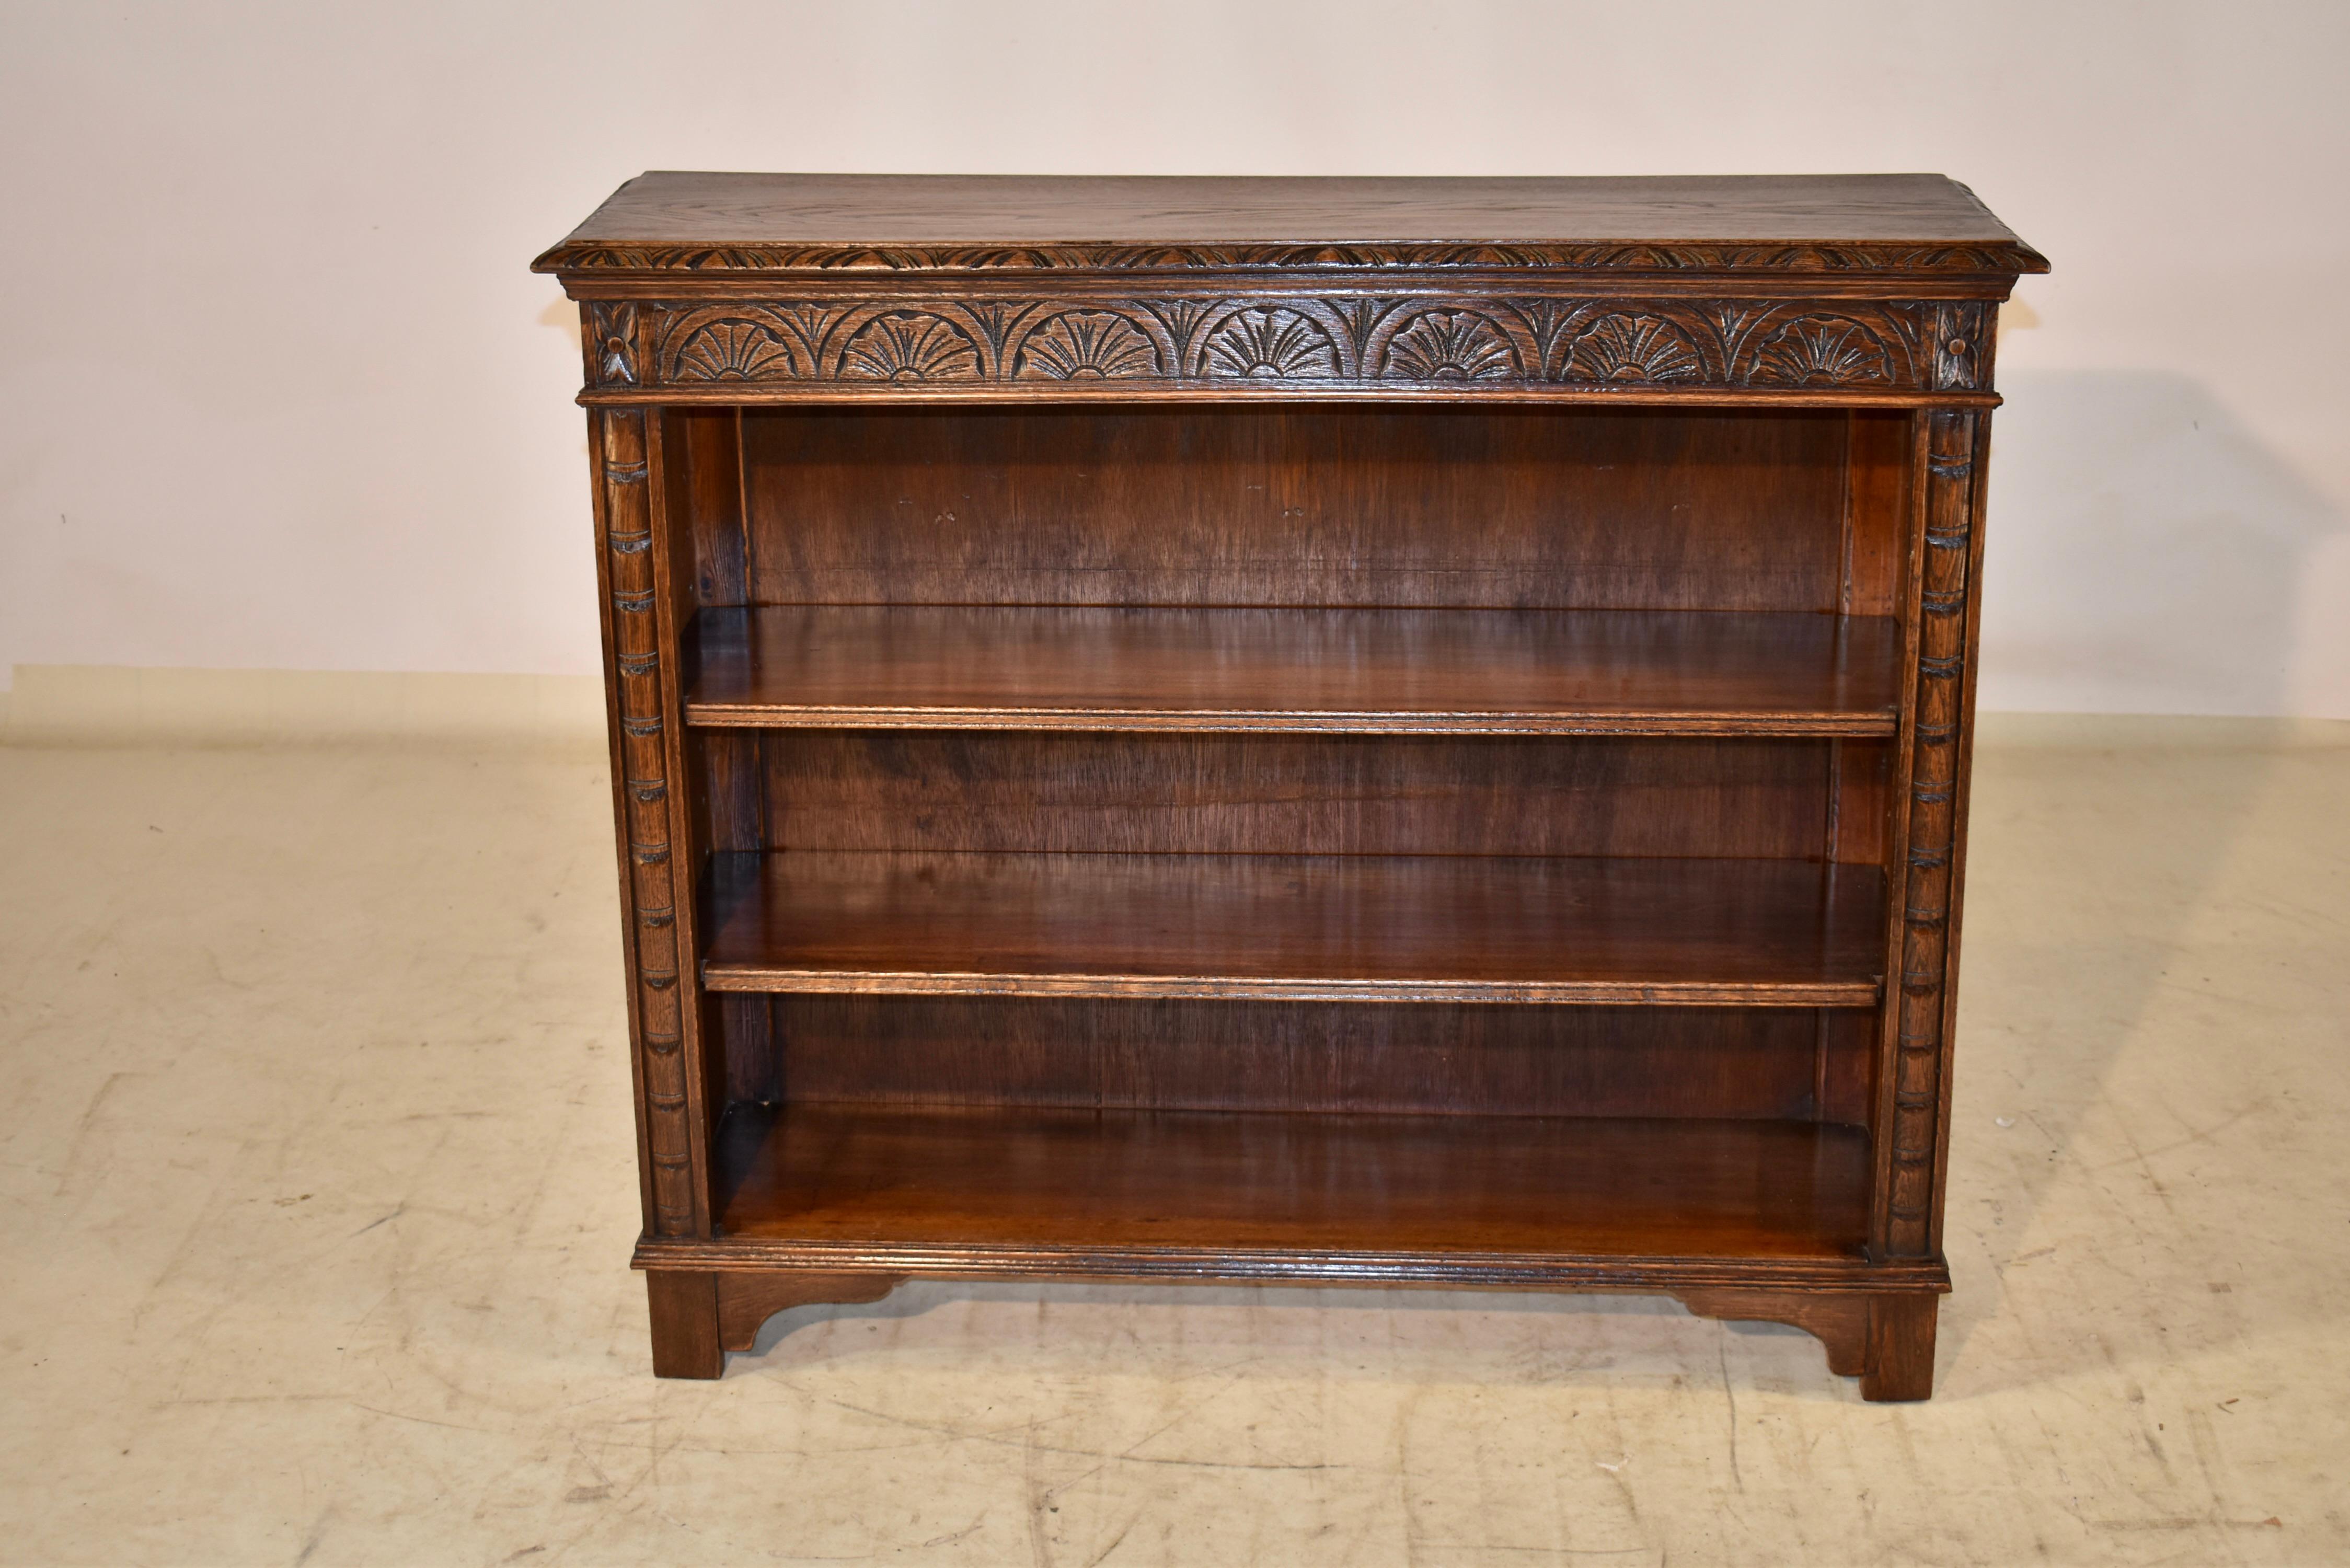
(318, 1202)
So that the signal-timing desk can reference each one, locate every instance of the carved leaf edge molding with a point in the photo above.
(1416, 339)
(1994, 258)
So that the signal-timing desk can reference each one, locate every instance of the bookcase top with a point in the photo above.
(675, 221)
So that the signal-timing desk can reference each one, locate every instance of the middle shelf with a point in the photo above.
(1359, 671)
(1785, 933)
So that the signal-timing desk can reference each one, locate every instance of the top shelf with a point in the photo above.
(685, 220)
(1367, 672)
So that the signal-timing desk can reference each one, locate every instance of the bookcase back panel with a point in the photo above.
(994, 790)
(1242, 1055)
(1315, 505)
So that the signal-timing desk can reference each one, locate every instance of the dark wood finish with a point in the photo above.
(1884, 1338)
(1940, 731)
(1426, 507)
(947, 791)
(1268, 1189)
(1395, 731)
(1343, 672)
(1900, 1347)
(1580, 346)
(1428, 927)
(695, 221)
(640, 686)
(1718, 1061)
(1838, 1322)
(746, 1300)
(684, 1307)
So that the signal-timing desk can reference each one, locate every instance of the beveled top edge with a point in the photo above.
(675, 221)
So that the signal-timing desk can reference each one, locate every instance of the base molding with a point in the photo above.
(1882, 1336)
(745, 1302)
(1837, 1322)
(1656, 1275)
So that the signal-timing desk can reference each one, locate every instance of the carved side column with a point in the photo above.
(640, 758)
(1947, 564)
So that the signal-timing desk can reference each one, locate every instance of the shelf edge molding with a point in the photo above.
(752, 716)
(1324, 927)
(755, 979)
(1559, 1271)
(1333, 670)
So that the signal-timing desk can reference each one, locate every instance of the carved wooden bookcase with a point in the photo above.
(1390, 731)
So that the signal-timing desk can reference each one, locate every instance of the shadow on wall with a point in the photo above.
(2146, 552)
(563, 316)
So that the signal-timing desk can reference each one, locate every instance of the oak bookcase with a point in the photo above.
(1394, 732)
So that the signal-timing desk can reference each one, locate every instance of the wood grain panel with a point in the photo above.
(1431, 507)
(1296, 795)
(1876, 543)
(1860, 785)
(705, 450)
(1847, 1082)
(1328, 1057)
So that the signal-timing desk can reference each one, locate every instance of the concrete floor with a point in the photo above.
(319, 1199)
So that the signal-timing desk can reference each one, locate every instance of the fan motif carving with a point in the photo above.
(733, 349)
(1632, 348)
(1080, 345)
(1821, 351)
(1284, 344)
(909, 346)
(1450, 346)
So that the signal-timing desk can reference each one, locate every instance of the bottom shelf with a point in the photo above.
(1270, 1195)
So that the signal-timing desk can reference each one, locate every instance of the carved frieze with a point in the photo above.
(1304, 340)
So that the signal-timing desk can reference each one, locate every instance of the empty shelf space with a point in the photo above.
(1134, 1191)
(1303, 928)
(1391, 672)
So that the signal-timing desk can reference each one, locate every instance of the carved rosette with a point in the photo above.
(610, 339)
(1961, 346)
(644, 791)
(1302, 341)
(1950, 473)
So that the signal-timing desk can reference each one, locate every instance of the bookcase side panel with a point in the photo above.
(642, 699)
(1976, 514)
(677, 557)
(624, 862)
(1925, 894)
